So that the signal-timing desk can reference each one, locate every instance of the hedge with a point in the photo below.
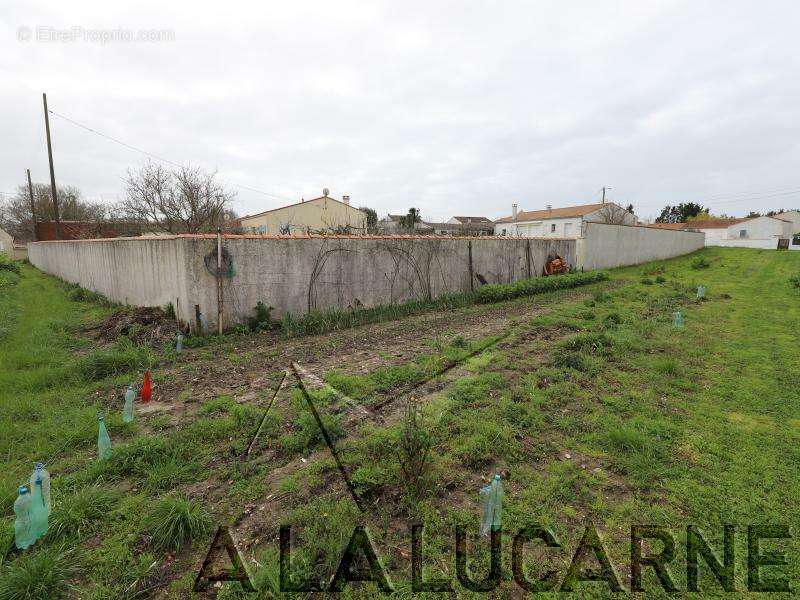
(496, 292)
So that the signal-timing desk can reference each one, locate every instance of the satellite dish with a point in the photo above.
(325, 191)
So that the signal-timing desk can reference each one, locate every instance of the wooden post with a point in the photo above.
(528, 257)
(220, 300)
(471, 272)
(52, 172)
(33, 205)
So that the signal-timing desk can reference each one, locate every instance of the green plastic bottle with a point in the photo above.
(23, 533)
(492, 498)
(127, 411)
(103, 441)
(38, 511)
(39, 472)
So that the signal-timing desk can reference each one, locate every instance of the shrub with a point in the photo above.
(701, 262)
(6, 264)
(647, 281)
(661, 279)
(414, 446)
(175, 521)
(538, 285)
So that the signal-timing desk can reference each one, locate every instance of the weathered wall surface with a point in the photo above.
(606, 246)
(294, 275)
(137, 271)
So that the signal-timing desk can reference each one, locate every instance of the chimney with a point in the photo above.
(346, 200)
(549, 207)
(514, 212)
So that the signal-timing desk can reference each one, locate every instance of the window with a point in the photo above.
(743, 233)
(567, 229)
(504, 232)
(553, 228)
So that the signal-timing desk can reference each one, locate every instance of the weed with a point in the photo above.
(667, 366)
(414, 447)
(612, 320)
(175, 521)
(307, 434)
(661, 279)
(262, 321)
(76, 515)
(169, 311)
(795, 280)
(458, 342)
(594, 343)
(40, 574)
(701, 262)
(646, 281)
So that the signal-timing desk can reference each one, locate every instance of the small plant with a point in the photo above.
(701, 262)
(175, 521)
(39, 575)
(262, 321)
(415, 446)
(459, 342)
(169, 311)
(612, 320)
(661, 279)
(537, 285)
(795, 280)
(647, 281)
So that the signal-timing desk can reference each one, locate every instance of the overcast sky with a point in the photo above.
(453, 107)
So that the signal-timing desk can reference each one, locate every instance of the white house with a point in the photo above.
(758, 232)
(563, 222)
(761, 232)
(6, 243)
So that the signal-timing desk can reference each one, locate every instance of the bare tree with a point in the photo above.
(16, 218)
(613, 214)
(182, 200)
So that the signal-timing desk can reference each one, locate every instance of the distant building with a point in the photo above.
(562, 222)
(86, 230)
(794, 217)
(757, 232)
(391, 224)
(318, 215)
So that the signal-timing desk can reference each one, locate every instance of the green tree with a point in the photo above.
(372, 218)
(407, 221)
(680, 213)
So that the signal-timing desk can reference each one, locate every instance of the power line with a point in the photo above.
(155, 156)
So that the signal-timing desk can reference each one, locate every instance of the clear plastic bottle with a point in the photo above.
(492, 499)
(39, 472)
(677, 320)
(179, 343)
(127, 410)
(103, 441)
(38, 511)
(701, 291)
(23, 532)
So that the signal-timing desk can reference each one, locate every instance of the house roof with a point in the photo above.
(297, 204)
(482, 226)
(701, 224)
(472, 220)
(556, 213)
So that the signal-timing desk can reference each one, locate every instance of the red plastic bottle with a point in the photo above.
(147, 387)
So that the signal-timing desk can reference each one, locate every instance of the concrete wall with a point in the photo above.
(766, 244)
(605, 246)
(294, 275)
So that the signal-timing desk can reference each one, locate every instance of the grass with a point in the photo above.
(594, 407)
(175, 521)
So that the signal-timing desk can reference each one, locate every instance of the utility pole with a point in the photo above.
(33, 205)
(52, 172)
(604, 194)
